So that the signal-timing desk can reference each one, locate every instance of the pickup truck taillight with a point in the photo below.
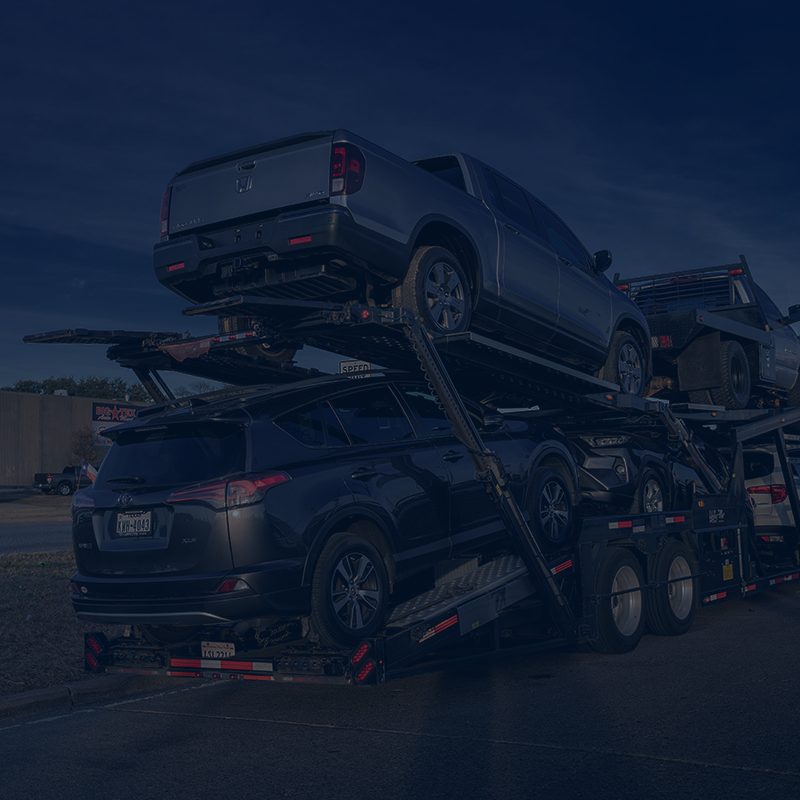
(165, 200)
(347, 169)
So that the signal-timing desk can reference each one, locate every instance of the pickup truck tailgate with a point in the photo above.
(268, 178)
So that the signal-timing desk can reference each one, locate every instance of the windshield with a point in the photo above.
(172, 455)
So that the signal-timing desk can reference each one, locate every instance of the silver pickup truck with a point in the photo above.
(332, 216)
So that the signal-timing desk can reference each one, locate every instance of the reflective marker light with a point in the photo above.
(176, 267)
(232, 585)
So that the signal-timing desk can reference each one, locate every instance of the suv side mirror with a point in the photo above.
(602, 260)
(493, 422)
(793, 315)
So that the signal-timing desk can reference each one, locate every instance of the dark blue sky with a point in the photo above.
(667, 133)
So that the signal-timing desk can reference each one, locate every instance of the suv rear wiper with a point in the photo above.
(126, 479)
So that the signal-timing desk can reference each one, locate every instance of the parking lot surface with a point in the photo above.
(34, 536)
(710, 714)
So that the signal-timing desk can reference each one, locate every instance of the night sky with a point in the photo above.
(667, 133)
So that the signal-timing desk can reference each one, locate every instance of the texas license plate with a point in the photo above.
(135, 523)
(217, 649)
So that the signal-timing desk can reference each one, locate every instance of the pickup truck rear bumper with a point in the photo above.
(207, 265)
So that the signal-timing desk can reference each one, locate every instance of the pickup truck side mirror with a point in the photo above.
(602, 260)
(793, 315)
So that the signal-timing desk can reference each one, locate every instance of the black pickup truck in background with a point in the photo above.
(63, 483)
(716, 336)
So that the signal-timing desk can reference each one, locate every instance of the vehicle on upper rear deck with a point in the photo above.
(322, 498)
(717, 336)
(333, 216)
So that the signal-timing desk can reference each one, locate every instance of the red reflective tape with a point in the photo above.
(626, 523)
(175, 673)
(562, 567)
(185, 662)
(675, 520)
(299, 240)
(439, 627)
(258, 677)
(176, 267)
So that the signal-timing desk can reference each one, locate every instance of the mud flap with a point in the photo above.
(699, 364)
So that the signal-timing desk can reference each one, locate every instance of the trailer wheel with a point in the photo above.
(626, 364)
(670, 605)
(734, 393)
(64, 489)
(620, 602)
(551, 508)
(349, 591)
(652, 496)
(437, 290)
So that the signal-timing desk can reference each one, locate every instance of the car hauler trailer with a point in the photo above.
(621, 571)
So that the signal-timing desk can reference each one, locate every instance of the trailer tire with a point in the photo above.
(626, 364)
(734, 392)
(437, 289)
(621, 618)
(351, 571)
(670, 606)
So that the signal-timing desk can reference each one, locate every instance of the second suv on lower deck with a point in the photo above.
(321, 499)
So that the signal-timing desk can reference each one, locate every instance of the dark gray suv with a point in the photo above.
(332, 216)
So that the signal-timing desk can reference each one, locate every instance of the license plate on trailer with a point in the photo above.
(217, 649)
(136, 523)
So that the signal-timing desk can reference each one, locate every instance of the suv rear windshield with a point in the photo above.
(172, 455)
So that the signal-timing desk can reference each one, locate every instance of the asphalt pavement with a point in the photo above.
(713, 714)
(34, 536)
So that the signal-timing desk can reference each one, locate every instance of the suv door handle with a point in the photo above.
(511, 228)
(452, 455)
(363, 473)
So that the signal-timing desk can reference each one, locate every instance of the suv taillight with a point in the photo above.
(230, 494)
(776, 491)
(165, 200)
(347, 169)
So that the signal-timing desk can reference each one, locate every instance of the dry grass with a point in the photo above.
(37, 508)
(41, 640)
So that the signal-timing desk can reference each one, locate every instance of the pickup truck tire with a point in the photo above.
(734, 392)
(64, 489)
(671, 604)
(279, 355)
(626, 364)
(620, 617)
(349, 591)
(436, 288)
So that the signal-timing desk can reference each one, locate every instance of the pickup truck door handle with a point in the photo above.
(363, 473)
(452, 455)
(511, 228)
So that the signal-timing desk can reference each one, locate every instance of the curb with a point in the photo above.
(69, 696)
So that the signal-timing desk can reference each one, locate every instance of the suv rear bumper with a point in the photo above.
(274, 588)
(211, 261)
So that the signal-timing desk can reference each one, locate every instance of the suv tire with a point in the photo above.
(551, 508)
(626, 364)
(349, 591)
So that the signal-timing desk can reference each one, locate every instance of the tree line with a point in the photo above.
(100, 388)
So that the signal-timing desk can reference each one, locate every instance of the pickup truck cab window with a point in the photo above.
(372, 416)
(510, 199)
(562, 239)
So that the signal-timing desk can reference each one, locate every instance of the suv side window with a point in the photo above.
(510, 199)
(563, 240)
(372, 416)
(313, 426)
(429, 419)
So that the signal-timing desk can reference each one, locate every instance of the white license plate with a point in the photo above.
(135, 523)
(217, 649)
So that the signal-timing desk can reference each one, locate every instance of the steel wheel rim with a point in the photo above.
(445, 296)
(652, 496)
(629, 368)
(680, 588)
(554, 511)
(626, 608)
(355, 592)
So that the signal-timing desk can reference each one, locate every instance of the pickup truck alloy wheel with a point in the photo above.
(626, 364)
(671, 603)
(349, 591)
(620, 603)
(436, 288)
(64, 489)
